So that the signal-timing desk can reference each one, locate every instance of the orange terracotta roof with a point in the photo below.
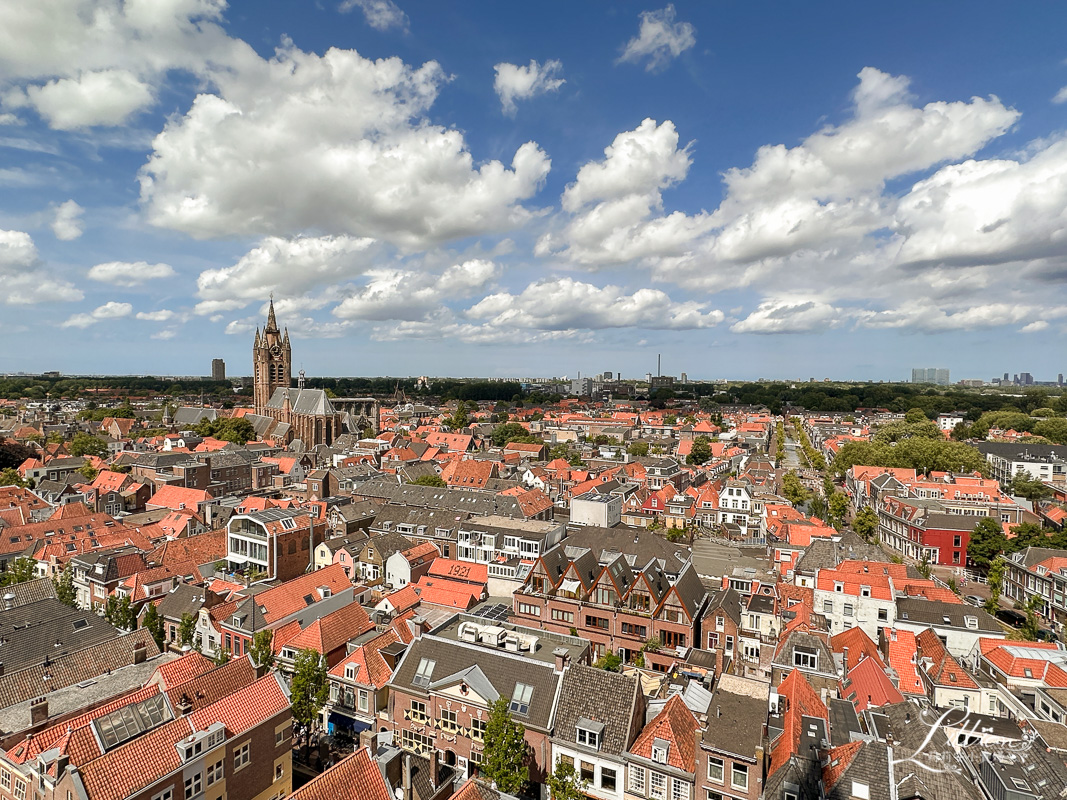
(902, 654)
(330, 632)
(801, 701)
(356, 777)
(676, 725)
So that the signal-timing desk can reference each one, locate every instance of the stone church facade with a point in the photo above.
(307, 415)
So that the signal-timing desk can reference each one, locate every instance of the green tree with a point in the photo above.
(986, 543)
(1028, 534)
(793, 489)
(866, 523)
(837, 507)
(309, 688)
(64, 583)
(153, 623)
(186, 630)
(88, 471)
(21, 570)
(460, 419)
(262, 649)
(1030, 488)
(924, 566)
(565, 783)
(85, 444)
(610, 661)
(11, 477)
(511, 432)
(505, 753)
(915, 415)
(430, 480)
(222, 656)
(700, 453)
(1029, 629)
(638, 449)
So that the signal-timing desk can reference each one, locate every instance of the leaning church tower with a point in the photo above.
(272, 361)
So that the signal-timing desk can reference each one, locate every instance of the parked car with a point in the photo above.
(1045, 635)
(974, 600)
(1011, 617)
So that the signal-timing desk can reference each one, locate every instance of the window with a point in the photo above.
(657, 786)
(476, 757)
(281, 735)
(739, 776)
(839, 586)
(364, 700)
(417, 712)
(166, 794)
(415, 742)
(828, 606)
(607, 779)
(720, 623)
(558, 615)
(629, 629)
(713, 640)
(423, 673)
(848, 609)
(279, 772)
(567, 761)
(715, 770)
(589, 738)
(214, 772)
(679, 790)
(865, 591)
(240, 756)
(805, 659)
(20, 790)
(194, 785)
(478, 729)
(596, 622)
(526, 608)
(587, 772)
(659, 753)
(520, 699)
(448, 720)
(5, 779)
(861, 790)
(729, 648)
(883, 615)
(637, 780)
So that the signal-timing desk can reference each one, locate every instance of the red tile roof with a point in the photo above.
(676, 725)
(858, 644)
(328, 633)
(281, 601)
(356, 777)
(801, 701)
(867, 685)
(838, 760)
(902, 655)
(182, 670)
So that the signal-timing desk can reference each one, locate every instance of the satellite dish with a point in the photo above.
(398, 793)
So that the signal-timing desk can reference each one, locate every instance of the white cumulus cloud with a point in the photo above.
(109, 311)
(407, 295)
(108, 97)
(162, 315)
(335, 144)
(67, 224)
(514, 82)
(125, 273)
(25, 279)
(380, 14)
(659, 40)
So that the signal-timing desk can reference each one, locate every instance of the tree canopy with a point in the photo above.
(986, 543)
(430, 480)
(309, 688)
(228, 429)
(700, 453)
(85, 444)
(505, 753)
(511, 432)
(915, 452)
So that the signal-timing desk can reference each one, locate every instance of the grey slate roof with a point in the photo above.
(915, 736)
(476, 502)
(638, 545)
(37, 632)
(828, 553)
(21, 594)
(869, 766)
(609, 698)
(1044, 774)
(935, 612)
(735, 721)
(501, 668)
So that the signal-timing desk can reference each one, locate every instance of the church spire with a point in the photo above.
(255, 345)
(272, 323)
(285, 338)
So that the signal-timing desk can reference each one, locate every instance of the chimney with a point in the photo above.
(405, 780)
(420, 625)
(562, 657)
(140, 651)
(434, 772)
(185, 705)
(844, 655)
(38, 710)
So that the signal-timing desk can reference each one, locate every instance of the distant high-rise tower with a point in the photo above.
(218, 369)
(937, 375)
(272, 360)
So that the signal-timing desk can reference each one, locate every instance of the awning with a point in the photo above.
(569, 586)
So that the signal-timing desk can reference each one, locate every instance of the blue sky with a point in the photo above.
(512, 189)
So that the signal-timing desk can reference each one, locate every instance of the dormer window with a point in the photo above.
(839, 586)
(589, 733)
(971, 622)
(423, 673)
(520, 698)
(865, 591)
(660, 749)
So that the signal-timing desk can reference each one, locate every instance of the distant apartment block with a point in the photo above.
(937, 375)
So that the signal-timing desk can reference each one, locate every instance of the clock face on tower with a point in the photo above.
(276, 351)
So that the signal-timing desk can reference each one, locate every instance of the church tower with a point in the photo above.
(272, 360)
